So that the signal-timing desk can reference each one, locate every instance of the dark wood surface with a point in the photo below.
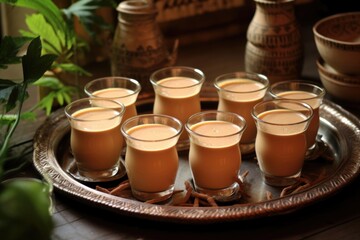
(336, 217)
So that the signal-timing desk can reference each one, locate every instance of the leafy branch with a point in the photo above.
(13, 94)
(56, 28)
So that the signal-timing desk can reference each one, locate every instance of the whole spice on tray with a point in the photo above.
(116, 191)
(269, 195)
(301, 184)
(199, 199)
(191, 198)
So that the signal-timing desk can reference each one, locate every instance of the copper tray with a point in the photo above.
(340, 130)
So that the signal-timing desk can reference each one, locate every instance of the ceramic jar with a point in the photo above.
(139, 47)
(274, 46)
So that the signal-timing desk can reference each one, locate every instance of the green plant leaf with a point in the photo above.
(58, 92)
(35, 65)
(4, 83)
(84, 10)
(9, 94)
(28, 116)
(9, 49)
(73, 68)
(40, 27)
(6, 119)
(67, 96)
(47, 102)
(27, 34)
(66, 92)
(49, 82)
(46, 47)
(60, 98)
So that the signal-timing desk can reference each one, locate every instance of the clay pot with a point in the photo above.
(274, 46)
(139, 47)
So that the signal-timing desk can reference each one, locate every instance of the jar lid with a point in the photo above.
(136, 7)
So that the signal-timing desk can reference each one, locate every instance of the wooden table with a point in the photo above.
(337, 217)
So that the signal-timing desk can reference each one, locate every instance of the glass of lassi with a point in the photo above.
(214, 154)
(177, 93)
(238, 93)
(151, 158)
(306, 92)
(281, 144)
(95, 140)
(121, 89)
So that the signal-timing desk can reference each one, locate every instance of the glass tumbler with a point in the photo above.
(281, 144)
(151, 158)
(214, 154)
(96, 141)
(308, 93)
(120, 89)
(177, 93)
(239, 92)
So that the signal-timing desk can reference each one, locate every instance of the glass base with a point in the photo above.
(247, 148)
(222, 195)
(145, 196)
(99, 176)
(280, 181)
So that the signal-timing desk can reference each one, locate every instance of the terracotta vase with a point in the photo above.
(139, 47)
(274, 46)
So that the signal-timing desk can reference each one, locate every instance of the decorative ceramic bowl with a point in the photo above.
(337, 39)
(330, 72)
(348, 92)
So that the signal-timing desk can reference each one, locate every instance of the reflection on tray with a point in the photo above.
(320, 152)
(72, 169)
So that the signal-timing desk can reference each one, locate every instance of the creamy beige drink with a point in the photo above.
(120, 89)
(281, 142)
(151, 157)
(305, 92)
(311, 99)
(96, 142)
(123, 95)
(240, 96)
(177, 97)
(214, 154)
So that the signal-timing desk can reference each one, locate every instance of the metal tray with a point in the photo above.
(340, 130)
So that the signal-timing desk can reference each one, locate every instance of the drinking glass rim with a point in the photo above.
(119, 113)
(178, 131)
(284, 100)
(188, 129)
(199, 81)
(136, 91)
(261, 76)
(304, 83)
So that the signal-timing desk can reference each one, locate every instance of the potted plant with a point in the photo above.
(24, 202)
